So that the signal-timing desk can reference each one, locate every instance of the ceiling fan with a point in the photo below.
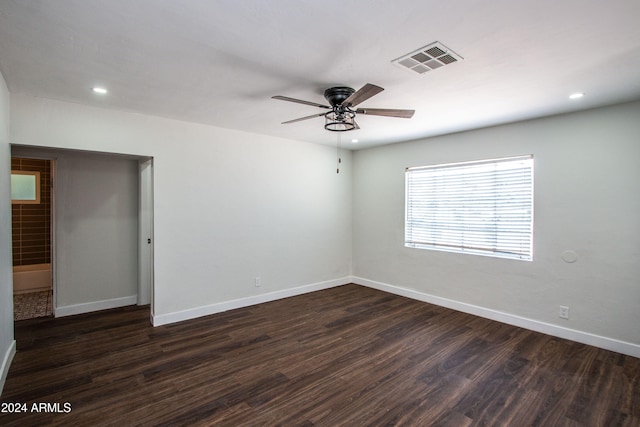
(342, 112)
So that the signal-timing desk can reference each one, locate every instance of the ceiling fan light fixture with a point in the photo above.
(339, 122)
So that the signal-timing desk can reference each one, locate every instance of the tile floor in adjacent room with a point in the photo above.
(32, 305)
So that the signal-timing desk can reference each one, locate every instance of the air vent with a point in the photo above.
(430, 57)
(435, 51)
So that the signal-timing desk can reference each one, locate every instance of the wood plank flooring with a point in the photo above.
(347, 356)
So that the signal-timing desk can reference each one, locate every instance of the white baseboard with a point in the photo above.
(88, 307)
(6, 363)
(178, 316)
(612, 344)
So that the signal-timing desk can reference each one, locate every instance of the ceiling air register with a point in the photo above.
(430, 57)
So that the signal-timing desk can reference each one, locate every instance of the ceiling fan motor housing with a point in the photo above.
(337, 95)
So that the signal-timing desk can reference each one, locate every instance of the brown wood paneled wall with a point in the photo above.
(32, 222)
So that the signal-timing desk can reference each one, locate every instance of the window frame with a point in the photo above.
(36, 189)
(521, 196)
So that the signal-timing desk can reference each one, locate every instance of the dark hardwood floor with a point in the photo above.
(347, 356)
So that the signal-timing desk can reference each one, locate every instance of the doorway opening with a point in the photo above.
(100, 232)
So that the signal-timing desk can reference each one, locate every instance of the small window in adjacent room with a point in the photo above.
(25, 187)
(483, 208)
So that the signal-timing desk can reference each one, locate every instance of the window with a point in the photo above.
(483, 208)
(25, 187)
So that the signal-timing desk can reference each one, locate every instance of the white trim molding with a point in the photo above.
(192, 313)
(70, 310)
(606, 343)
(6, 363)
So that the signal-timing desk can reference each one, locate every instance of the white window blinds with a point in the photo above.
(483, 208)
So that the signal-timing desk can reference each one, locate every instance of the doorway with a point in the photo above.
(101, 250)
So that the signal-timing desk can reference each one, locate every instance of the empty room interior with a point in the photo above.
(320, 213)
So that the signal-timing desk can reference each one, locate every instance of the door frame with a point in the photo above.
(145, 233)
(145, 217)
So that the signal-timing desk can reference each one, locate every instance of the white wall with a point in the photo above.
(229, 205)
(7, 343)
(587, 199)
(96, 229)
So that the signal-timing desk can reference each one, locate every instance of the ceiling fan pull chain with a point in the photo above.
(338, 152)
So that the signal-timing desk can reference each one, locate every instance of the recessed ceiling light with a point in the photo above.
(99, 90)
(576, 95)
(355, 141)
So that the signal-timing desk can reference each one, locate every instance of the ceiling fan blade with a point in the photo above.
(362, 94)
(303, 118)
(300, 101)
(356, 125)
(388, 112)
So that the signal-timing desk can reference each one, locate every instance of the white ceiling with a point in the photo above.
(219, 62)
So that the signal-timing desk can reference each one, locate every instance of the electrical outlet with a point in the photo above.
(564, 312)
(257, 282)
